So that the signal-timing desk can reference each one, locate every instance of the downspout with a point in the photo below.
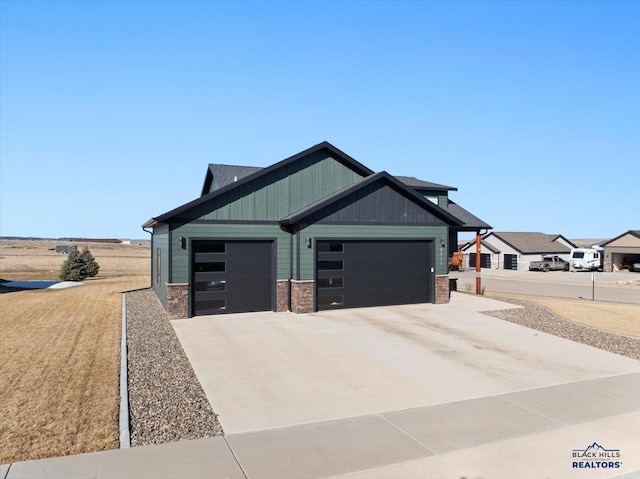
(151, 269)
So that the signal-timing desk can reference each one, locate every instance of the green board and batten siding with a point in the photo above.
(267, 198)
(318, 231)
(279, 192)
(160, 251)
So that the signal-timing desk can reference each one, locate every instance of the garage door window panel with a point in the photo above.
(210, 246)
(212, 267)
(212, 285)
(330, 247)
(331, 282)
(330, 301)
(212, 306)
(330, 265)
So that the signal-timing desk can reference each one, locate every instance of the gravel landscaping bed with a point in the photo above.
(166, 401)
(540, 318)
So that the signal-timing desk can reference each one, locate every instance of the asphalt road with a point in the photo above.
(621, 287)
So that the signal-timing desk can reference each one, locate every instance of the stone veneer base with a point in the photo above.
(283, 288)
(178, 300)
(442, 289)
(302, 292)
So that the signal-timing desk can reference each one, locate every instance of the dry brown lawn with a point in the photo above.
(60, 351)
(611, 317)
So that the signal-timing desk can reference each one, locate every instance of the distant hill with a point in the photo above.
(587, 243)
(78, 240)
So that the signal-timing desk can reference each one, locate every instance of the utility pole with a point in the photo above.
(478, 279)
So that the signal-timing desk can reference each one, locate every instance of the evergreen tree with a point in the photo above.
(90, 263)
(79, 266)
(73, 269)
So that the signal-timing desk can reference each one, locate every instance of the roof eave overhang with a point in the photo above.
(150, 223)
(440, 188)
(471, 228)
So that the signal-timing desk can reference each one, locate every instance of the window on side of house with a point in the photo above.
(158, 266)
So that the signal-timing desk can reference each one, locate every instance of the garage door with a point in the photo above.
(357, 273)
(511, 261)
(231, 276)
(485, 260)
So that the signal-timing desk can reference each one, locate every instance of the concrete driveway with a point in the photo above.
(414, 391)
(418, 391)
(270, 370)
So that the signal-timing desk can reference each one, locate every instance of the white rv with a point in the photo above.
(588, 259)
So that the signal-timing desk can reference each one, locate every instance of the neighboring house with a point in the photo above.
(622, 251)
(514, 251)
(64, 249)
(316, 231)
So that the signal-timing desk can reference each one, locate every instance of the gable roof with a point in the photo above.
(389, 180)
(635, 233)
(532, 242)
(470, 221)
(222, 175)
(417, 183)
(472, 245)
(336, 154)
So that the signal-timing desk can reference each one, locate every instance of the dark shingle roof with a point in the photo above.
(533, 243)
(414, 182)
(471, 222)
(224, 175)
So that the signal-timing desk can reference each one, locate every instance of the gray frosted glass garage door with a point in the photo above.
(356, 273)
(231, 276)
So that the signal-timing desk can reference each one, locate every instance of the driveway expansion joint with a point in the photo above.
(431, 451)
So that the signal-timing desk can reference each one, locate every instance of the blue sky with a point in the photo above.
(111, 111)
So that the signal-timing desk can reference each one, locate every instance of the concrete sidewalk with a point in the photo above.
(526, 434)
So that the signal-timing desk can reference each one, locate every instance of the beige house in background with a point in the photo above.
(622, 251)
(516, 250)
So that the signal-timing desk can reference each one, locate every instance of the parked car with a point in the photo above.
(634, 267)
(549, 263)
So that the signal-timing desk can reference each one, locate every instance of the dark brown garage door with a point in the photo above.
(231, 276)
(357, 273)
